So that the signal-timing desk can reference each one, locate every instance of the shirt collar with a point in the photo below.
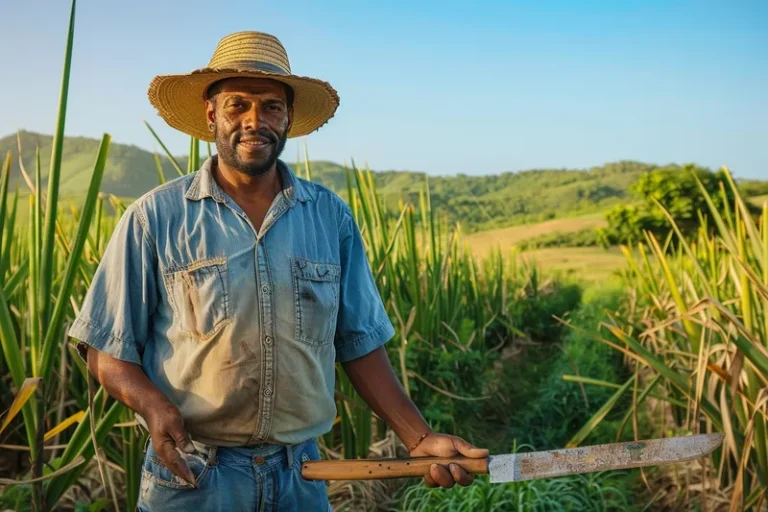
(203, 185)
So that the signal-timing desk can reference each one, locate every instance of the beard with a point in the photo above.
(227, 151)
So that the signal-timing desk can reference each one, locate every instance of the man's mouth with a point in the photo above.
(254, 142)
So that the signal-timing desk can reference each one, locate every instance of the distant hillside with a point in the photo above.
(480, 202)
(130, 170)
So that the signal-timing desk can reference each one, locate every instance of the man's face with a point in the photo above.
(251, 121)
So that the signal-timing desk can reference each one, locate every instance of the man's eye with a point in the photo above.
(275, 108)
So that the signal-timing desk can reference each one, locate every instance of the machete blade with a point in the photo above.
(547, 464)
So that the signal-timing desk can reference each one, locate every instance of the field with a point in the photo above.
(587, 264)
(505, 238)
(511, 356)
(759, 200)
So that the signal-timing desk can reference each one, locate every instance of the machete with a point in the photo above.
(516, 467)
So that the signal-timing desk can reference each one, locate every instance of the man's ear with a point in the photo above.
(210, 114)
(290, 119)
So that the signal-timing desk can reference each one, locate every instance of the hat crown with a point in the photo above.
(180, 99)
(251, 50)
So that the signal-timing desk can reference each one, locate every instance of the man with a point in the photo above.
(225, 297)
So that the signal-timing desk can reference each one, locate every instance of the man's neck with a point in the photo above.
(244, 188)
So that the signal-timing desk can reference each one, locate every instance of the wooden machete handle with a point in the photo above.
(375, 469)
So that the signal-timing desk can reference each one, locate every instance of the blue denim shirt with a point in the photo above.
(241, 330)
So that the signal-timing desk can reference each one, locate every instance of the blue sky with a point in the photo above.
(441, 87)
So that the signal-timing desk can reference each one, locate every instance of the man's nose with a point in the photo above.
(251, 118)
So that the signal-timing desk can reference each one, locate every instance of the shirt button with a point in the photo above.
(268, 340)
(265, 289)
(268, 391)
(259, 460)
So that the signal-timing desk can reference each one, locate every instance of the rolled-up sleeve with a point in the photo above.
(363, 324)
(117, 309)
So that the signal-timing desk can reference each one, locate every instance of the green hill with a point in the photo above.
(510, 198)
(480, 202)
(130, 171)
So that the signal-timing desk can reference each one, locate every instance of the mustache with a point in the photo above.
(267, 134)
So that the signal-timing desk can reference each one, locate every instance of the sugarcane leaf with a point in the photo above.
(59, 472)
(601, 413)
(167, 153)
(61, 427)
(73, 262)
(54, 176)
(25, 392)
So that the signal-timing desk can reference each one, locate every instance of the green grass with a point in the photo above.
(597, 492)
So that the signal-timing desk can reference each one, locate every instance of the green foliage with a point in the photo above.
(17, 498)
(626, 225)
(560, 407)
(509, 198)
(471, 372)
(534, 310)
(676, 190)
(751, 188)
(589, 492)
(697, 324)
(452, 313)
(582, 238)
(537, 407)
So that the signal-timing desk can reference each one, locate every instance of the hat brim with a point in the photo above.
(179, 100)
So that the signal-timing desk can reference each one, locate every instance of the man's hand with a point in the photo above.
(127, 383)
(444, 445)
(166, 428)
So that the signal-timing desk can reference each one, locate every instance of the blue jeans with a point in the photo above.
(255, 479)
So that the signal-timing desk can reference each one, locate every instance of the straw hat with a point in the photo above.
(180, 99)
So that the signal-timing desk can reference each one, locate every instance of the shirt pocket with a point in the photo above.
(316, 290)
(199, 295)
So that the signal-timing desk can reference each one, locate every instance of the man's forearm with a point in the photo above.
(126, 382)
(375, 381)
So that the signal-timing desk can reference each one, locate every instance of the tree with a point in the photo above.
(673, 188)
